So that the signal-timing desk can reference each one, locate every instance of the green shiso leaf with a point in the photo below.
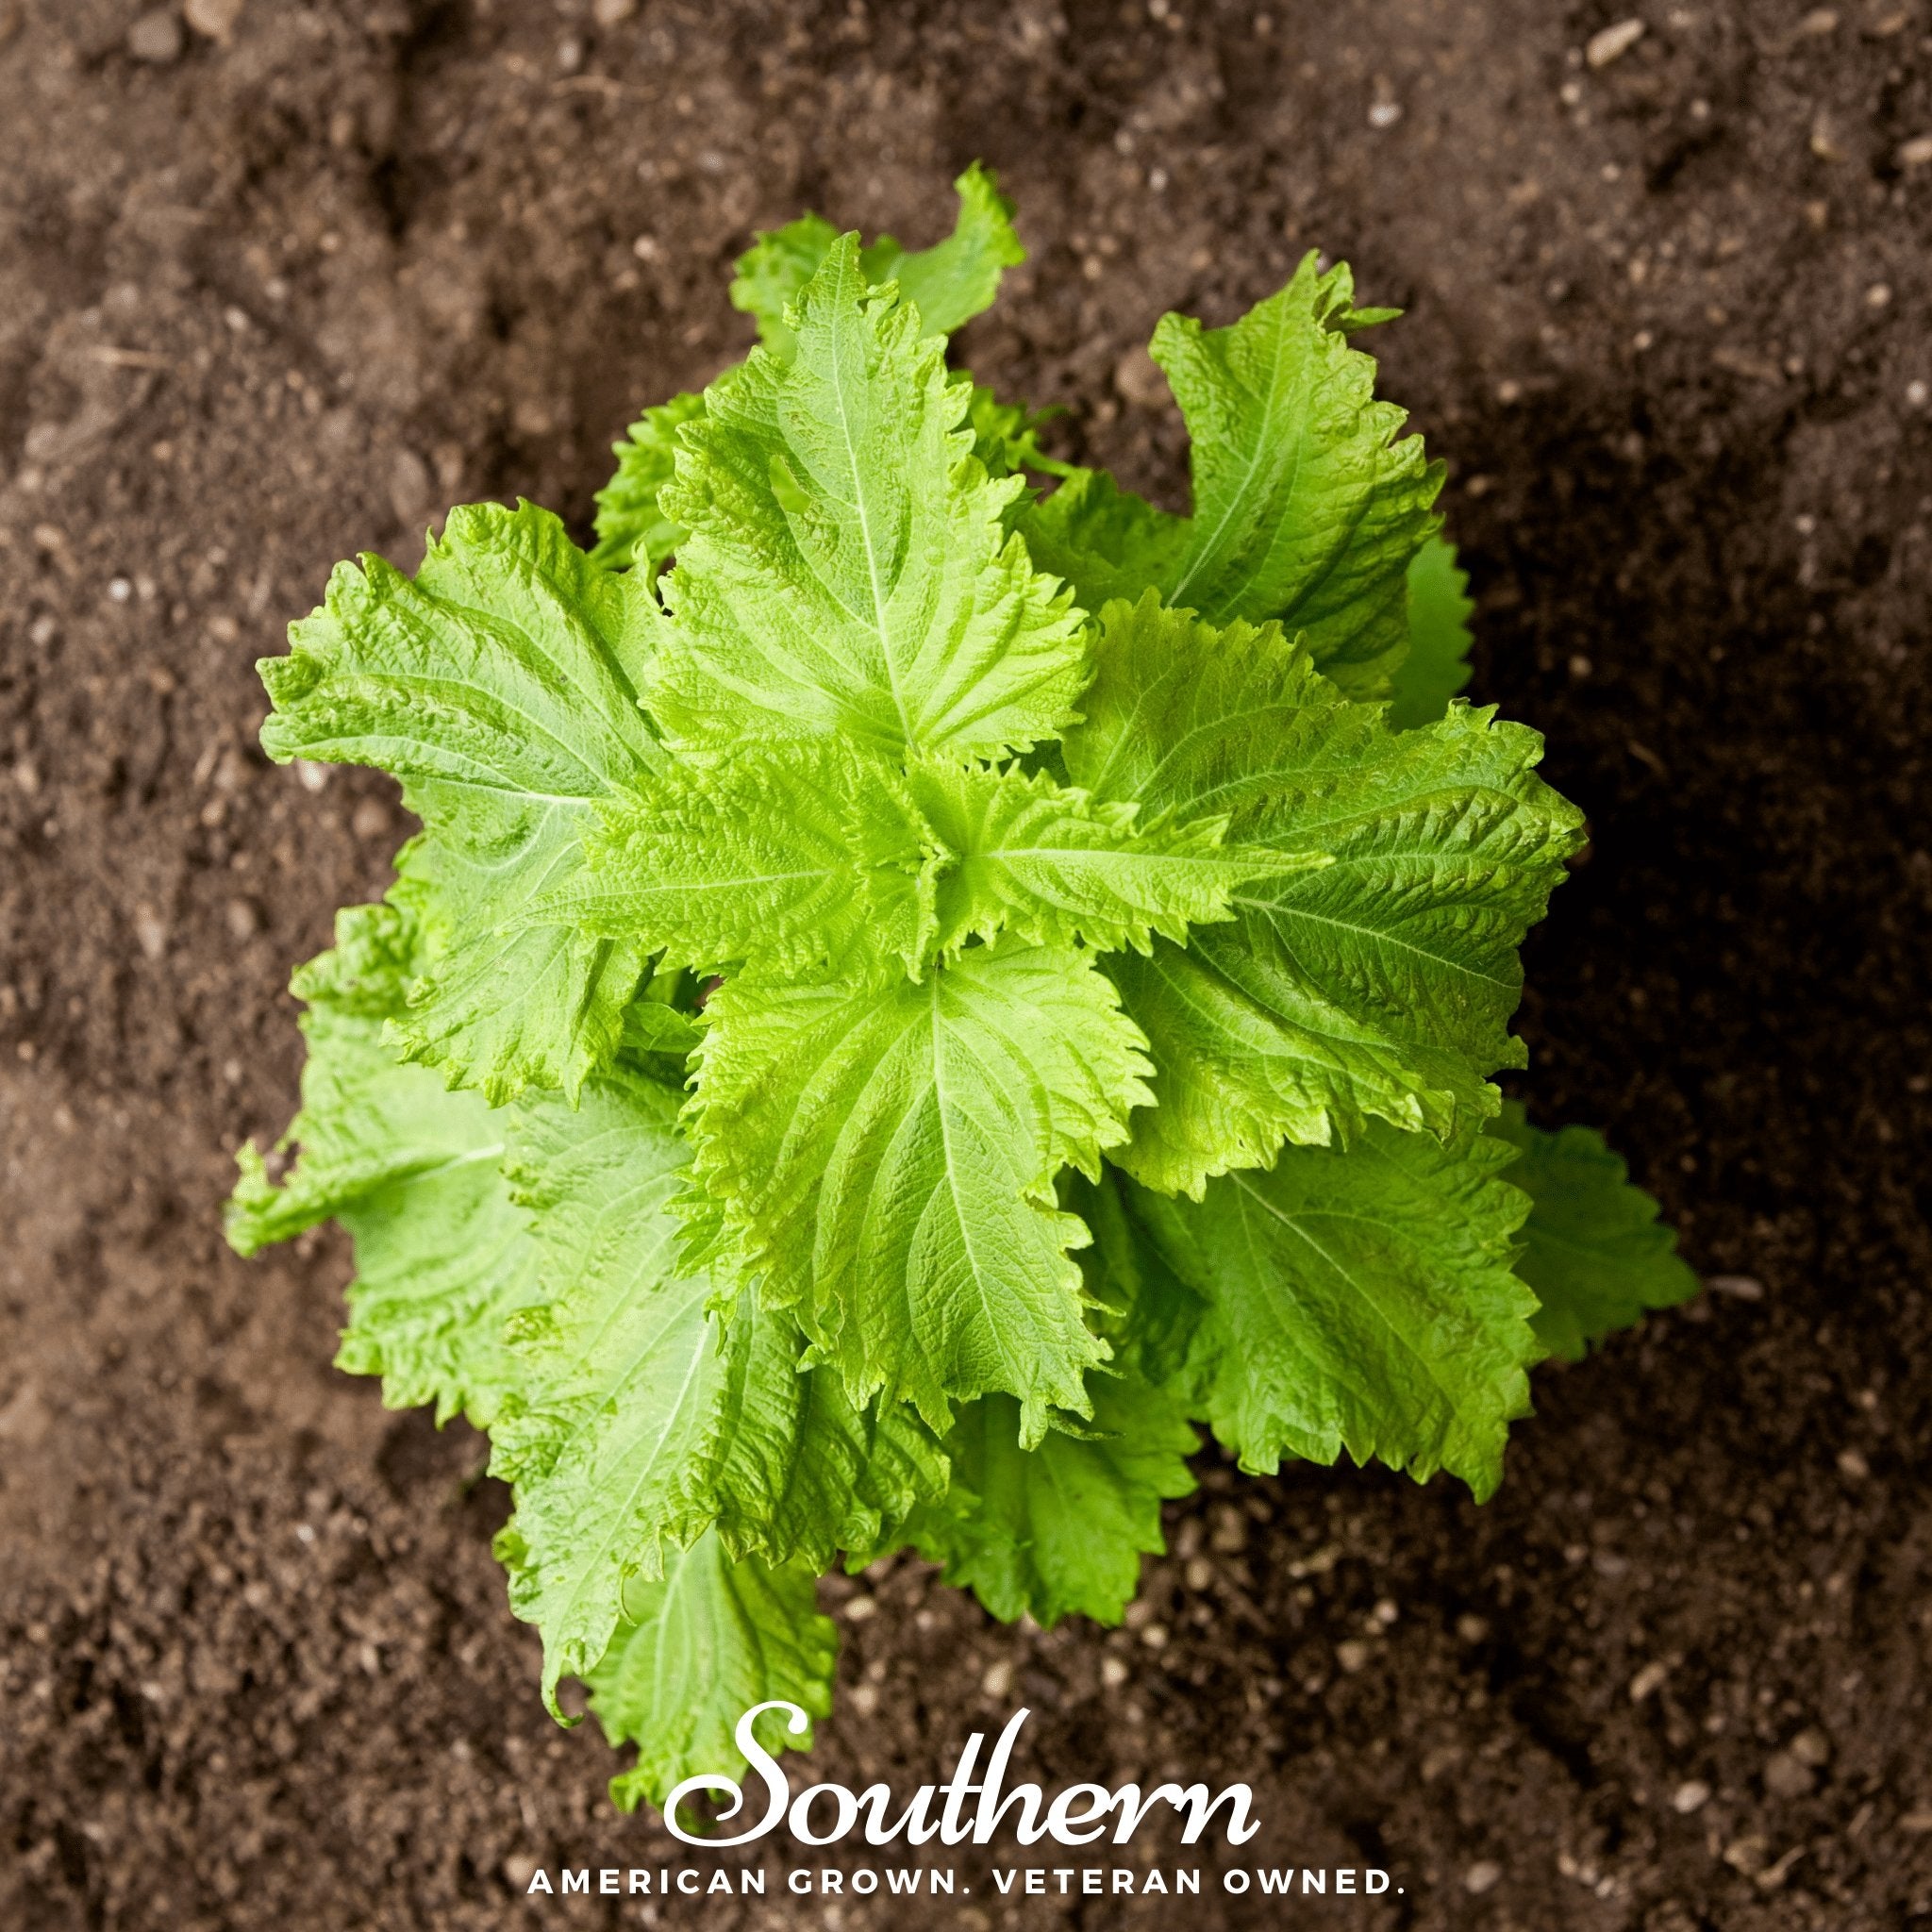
(1361, 1301)
(1376, 987)
(1594, 1249)
(1059, 1531)
(697, 1648)
(500, 685)
(848, 569)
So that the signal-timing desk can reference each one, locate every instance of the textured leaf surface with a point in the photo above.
(847, 567)
(949, 283)
(1378, 987)
(1061, 1529)
(1025, 853)
(1593, 1248)
(1104, 541)
(886, 1153)
(412, 1172)
(1363, 1301)
(1305, 507)
(697, 1649)
(1437, 666)
(501, 687)
(1006, 438)
(632, 527)
(789, 857)
(642, 1416)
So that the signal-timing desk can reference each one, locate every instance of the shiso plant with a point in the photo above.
(924, 978)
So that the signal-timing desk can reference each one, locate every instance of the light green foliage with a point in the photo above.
(1006, 438)
(932, 981)
(787, 856)
(847, 568)
(1027, 855)
(1376, 987)
(631, 526)
(1059, 1531)
(794, 857)
(641, 1415)
(698, 1647)
(1105, 542)
(949, 283)
(442, 1260)
(500, 685)
(1594, 1249)
(1305, 508)
(885, 1151)
(1363, 1301)
(1437, 666)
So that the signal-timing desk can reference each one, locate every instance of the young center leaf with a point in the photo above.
(631, 526)
(697, 1648)
(1360, 1300)
(949, 283)
(787, 857)
(1021, 853)
(1305, 508)
(885, 1151)
(501, 687)
(1059, 1531)
(1592, 1248)
(444, 1258)
(644, 1416)
(848, 568)
(1376, 987)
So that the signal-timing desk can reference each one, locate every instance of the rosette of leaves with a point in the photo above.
(926, 978)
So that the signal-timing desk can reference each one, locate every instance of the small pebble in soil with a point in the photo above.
(1352, 1655)
(1785, 1777)
(370, 820)
(215, 19)
(155, 38)
(1852, 1466)
(612, 12)
(1482, 1876)
(859, 1609)
(1113, 1672)
(998, 1679)
(1648, 1680)
(1811, 1747)
(1916, 153)
(1691, 1795)
(1138, 378)
(1739, 1287)
(1748, 1854)
(1613, 43)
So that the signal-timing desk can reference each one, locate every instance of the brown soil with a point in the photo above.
(267, 301)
